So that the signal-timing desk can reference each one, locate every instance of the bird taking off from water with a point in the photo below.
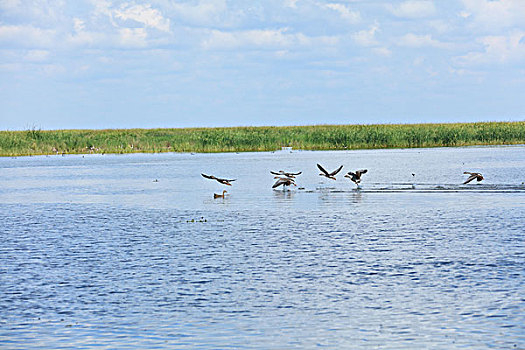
(356, 177)
(283, 181)
(284, 173)
(327, 174)
(473, 176)
(222, 181)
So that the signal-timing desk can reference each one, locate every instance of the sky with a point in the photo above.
(97, 64)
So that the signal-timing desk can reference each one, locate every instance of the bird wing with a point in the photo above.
(278, 183)
(471, 177)
(323, 170)
(299, 173)
(359, 172)
(283, 181)
(211, 177)
(275, 173)
(224, 182)
(336, 171)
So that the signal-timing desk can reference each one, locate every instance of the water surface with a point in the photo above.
(97, 254)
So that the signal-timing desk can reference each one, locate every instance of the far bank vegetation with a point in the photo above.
(243, 139)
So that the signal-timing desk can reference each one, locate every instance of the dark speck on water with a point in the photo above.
(94, 255)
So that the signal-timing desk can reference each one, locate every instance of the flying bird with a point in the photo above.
(287, 174)
(327, 174)
(283, 181)
(356, 177)
(473, 176)
(222, 181)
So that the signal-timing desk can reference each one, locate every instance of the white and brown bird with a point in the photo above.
(283, 181)
(285, 173)
(222, 181)
(327, 174)
(356, 177)
(473, 176)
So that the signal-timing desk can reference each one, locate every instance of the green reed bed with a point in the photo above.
(241, 139)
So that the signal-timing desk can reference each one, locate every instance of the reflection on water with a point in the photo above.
(286, 194)
(357, 197)
(95, 254)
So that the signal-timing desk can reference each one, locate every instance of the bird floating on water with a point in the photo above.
(215, 195)
(327, 174)
(222, 181)
(356, 177)
(473, 176)
(284, 173)
(283, 181)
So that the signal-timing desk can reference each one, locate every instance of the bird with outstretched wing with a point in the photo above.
(284, 181)
(473, 176)
(327, 174)
(356, 177)
(222, 181)
(285, 173)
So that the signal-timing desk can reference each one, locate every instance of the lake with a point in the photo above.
(133, 251)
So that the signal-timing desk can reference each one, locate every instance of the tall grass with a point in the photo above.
(239, 139)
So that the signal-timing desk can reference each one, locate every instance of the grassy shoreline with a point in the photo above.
(249, 139)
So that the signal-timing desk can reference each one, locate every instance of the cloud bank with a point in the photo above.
(190, 60)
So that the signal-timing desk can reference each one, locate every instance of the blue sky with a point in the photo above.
(163, 63)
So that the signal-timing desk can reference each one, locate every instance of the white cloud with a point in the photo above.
(26, 36)
(81, 37)
(271, 39)
(129, 26)
(102, 7)
(204, 13)
(132, 37)
(489, 14)
(497, 50)
(143, 14)
(413, 9)
(78, 25)
(345, 12)
(414, 40)
(366, 37)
